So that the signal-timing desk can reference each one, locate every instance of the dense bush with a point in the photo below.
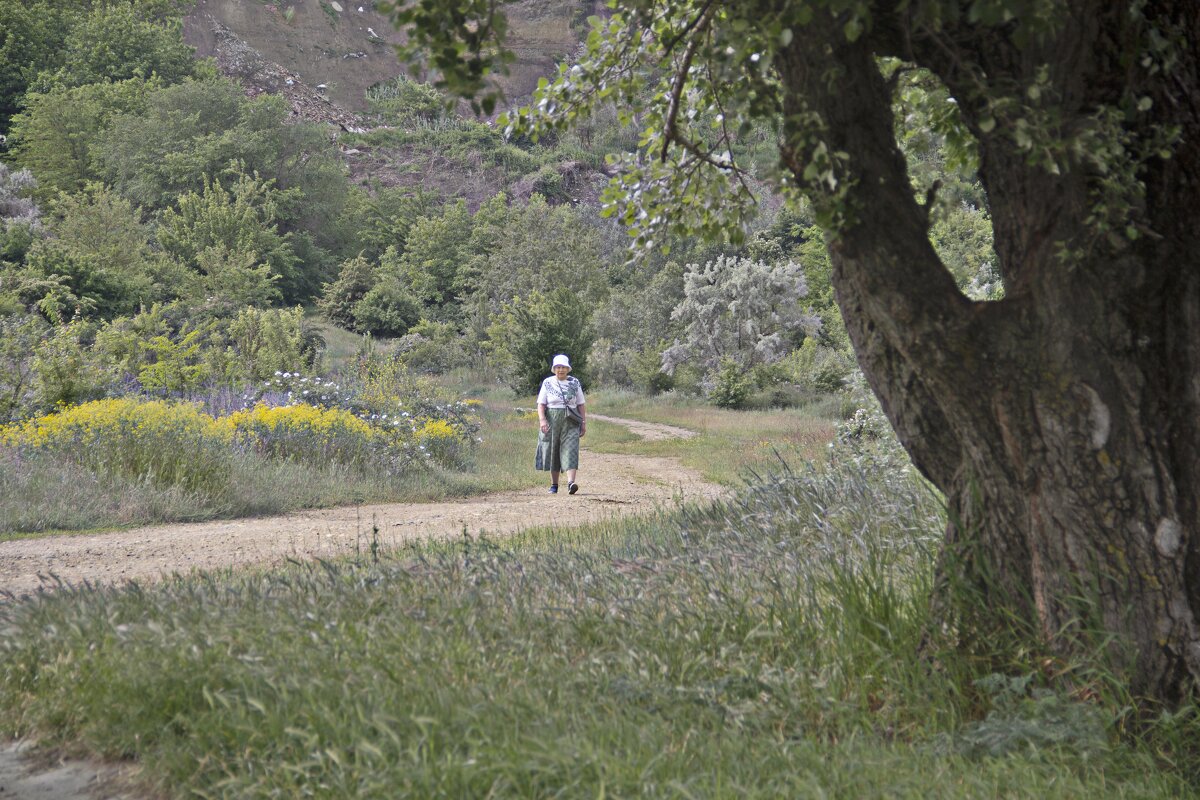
(97, 258)
(371, 221)
(338, 299)
(59, 130)
(116, 41)
(230, 236)
(646, 372)
(403, 101)
(431, 347)
(64, 370)
(731, 385)
(818, 367)
(388, 308)
(530, 331)
(267, 342)
(434, 262)
(19, 336)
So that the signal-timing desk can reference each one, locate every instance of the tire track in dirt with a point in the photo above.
(610, 485)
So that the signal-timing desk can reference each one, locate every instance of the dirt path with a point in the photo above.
(610, 485)
(24, 777)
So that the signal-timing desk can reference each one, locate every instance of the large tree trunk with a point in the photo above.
(1063, 422)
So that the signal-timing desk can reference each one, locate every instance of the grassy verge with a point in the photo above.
(505, 458)
(50, 494)
(732, 443)
(760, 648)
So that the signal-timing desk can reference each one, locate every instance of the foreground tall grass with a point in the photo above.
(762, 648)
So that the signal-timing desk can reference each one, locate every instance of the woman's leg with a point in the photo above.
(554, 456)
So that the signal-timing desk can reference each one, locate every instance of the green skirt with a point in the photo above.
(558, 449)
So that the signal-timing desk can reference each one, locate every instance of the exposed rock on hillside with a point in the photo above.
(308, 42)
(340, 49)
(240, 61)
(322, 57)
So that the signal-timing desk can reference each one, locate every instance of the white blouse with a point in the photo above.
(559, 394)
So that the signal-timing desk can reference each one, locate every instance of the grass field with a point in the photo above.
(629, 662)
(730, 446)
(765, 647)
(732, 443)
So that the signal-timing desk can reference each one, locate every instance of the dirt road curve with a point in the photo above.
(610, 485)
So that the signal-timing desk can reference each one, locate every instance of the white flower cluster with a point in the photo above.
(290, 387)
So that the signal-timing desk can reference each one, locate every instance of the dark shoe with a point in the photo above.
(554, 488)
(572, 488)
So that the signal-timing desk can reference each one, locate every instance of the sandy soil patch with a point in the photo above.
(24, 777)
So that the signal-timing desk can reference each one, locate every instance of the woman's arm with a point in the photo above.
(544, 424)
(583, 422)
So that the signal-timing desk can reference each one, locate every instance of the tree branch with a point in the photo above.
(704, 11)
(669, 132)
(725, 137)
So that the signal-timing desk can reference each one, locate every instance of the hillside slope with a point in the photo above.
(337, 50)
(324, 56)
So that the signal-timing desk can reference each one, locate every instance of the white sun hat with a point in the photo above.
(561, 359)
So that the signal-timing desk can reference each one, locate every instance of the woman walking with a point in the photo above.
(562, 422)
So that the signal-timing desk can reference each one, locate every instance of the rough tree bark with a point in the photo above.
(1063, 422)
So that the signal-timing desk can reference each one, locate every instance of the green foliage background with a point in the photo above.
(159, 184)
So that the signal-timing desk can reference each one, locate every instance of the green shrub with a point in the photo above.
(268, 341)
(645, 369)
(732, 386)
(116, 41)
(781, 395)
(438, 248)
(402, 101)
(356, 278)
(64, 370)
(548, 182)
(431, 347)
(817, 367)
(174, 366)
(19, 336)
(530, 331)
(231, 236)
(387, 309)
